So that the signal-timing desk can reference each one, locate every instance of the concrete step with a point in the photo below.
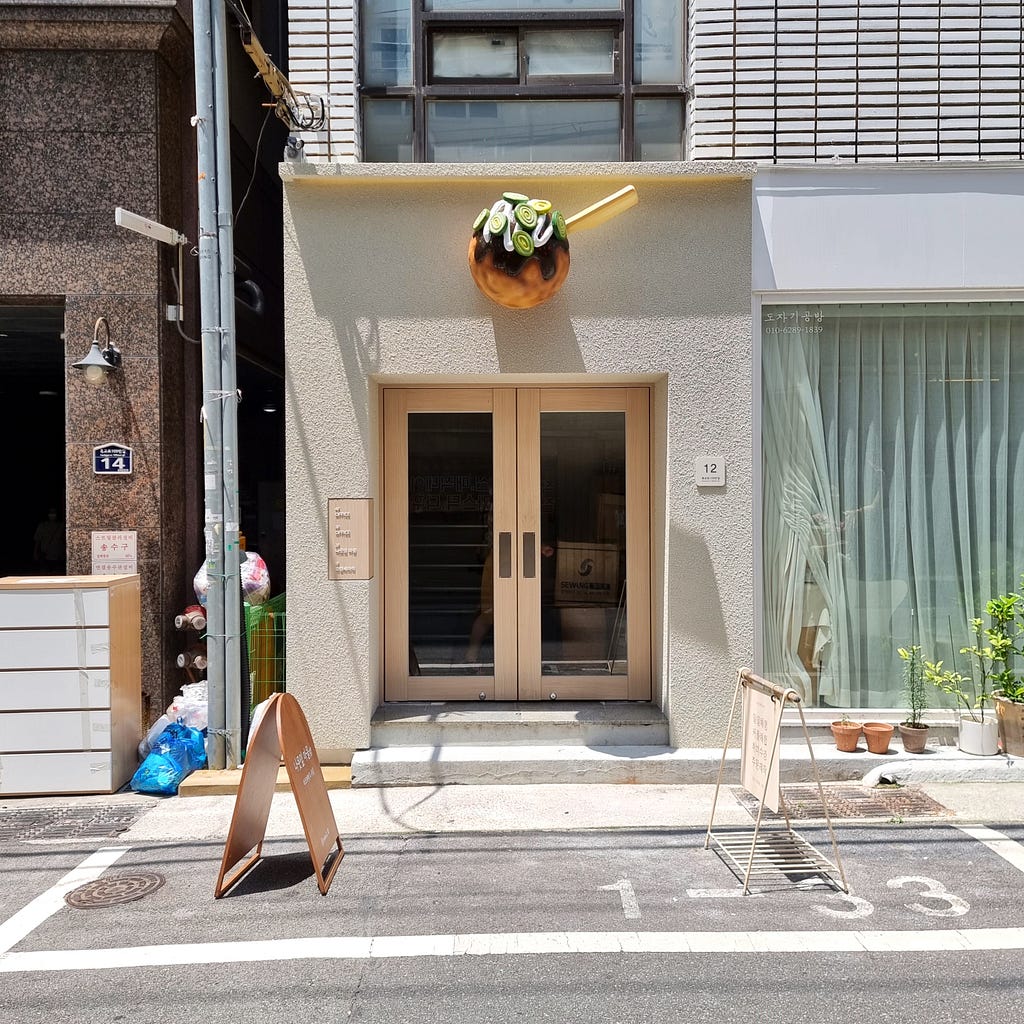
(464, 764)
(510, 724)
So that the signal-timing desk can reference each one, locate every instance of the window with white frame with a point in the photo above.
(893, 464)
(522, 80)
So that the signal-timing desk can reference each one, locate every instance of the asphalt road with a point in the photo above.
(610, 926)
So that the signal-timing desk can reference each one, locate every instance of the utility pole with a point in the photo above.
(220, 420)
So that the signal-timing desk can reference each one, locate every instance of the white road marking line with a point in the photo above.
(630, 907)
(45, 905)
(515, 944)
(1007, 848)
(720, 894)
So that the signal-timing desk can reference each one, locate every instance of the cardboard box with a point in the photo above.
(611, 517)
(587, 574)
(585, 633)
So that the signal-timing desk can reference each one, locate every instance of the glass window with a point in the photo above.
(522, 5)
(387, 46)
(528, 130)
(387, 131)
(529, 80)
(658, 42)
(475, 55)
(658, 128)
(893, 449)
(570, 52)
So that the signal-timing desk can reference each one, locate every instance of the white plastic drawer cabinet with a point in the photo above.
(70, 689)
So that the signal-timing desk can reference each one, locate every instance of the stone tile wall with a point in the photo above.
(91, 107)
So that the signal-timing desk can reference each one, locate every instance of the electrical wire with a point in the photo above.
(177, 279)
(255, 166)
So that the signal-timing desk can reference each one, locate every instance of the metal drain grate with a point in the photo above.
(849, 800)
(92, 822)
(114, 890)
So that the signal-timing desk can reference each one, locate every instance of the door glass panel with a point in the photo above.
(451, 582)
(583, 543)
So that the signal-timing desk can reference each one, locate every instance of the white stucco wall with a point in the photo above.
(377, 290)
(872, 228)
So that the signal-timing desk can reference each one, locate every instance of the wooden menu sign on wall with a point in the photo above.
(281, 732)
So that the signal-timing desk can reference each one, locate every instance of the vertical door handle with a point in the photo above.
(504, 555)
(529, 555)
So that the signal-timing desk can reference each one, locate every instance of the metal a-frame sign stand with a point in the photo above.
(768, 851)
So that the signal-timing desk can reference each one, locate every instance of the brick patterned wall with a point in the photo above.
(322, 50)
(795, 80)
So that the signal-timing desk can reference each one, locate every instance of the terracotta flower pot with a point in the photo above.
(1010, 716)
(915, 737)
(878, 735)
(847, 734)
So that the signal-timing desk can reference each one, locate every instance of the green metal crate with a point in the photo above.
(265, 629)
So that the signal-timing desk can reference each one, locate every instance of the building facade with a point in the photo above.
(818, 291)
(97, 99)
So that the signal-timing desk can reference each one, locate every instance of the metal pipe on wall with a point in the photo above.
(229, 406)
(216, 303)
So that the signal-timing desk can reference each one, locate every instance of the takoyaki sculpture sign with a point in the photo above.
(519, 249)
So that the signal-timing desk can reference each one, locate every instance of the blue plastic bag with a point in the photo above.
(177, 752)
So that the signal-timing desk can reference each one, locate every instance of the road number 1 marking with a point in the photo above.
(630, 907)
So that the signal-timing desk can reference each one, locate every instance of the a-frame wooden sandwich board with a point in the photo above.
(281, 732)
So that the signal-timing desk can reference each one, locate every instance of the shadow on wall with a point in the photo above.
(694, 601)
(399, 253)
(552, 349)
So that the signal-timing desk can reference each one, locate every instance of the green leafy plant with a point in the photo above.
(914, 684)
(994, 656)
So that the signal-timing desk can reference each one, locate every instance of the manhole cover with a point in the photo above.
(849, 800)
(115, 889)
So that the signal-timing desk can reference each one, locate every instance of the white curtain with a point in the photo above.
(893, 448)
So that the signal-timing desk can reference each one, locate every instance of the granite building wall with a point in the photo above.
(93, 102)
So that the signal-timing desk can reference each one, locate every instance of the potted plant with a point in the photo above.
(846, 733)
(1005, 638)
(877, 735)
(913, 730)
(977, 734)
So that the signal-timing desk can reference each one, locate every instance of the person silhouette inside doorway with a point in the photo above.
(48, 550)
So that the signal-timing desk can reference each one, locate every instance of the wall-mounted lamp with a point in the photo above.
(99, 362)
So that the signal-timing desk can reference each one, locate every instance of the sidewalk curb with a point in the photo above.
(998, 768)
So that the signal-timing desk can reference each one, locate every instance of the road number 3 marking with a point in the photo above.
(857, 907)
(933, 890)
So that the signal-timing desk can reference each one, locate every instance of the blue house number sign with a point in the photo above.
(113, 459)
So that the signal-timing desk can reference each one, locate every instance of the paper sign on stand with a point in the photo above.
(768, 851)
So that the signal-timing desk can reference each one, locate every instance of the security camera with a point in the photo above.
(293, 148)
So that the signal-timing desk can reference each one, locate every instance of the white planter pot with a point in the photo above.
(979, 737)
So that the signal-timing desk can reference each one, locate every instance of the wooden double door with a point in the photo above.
(517, 543)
